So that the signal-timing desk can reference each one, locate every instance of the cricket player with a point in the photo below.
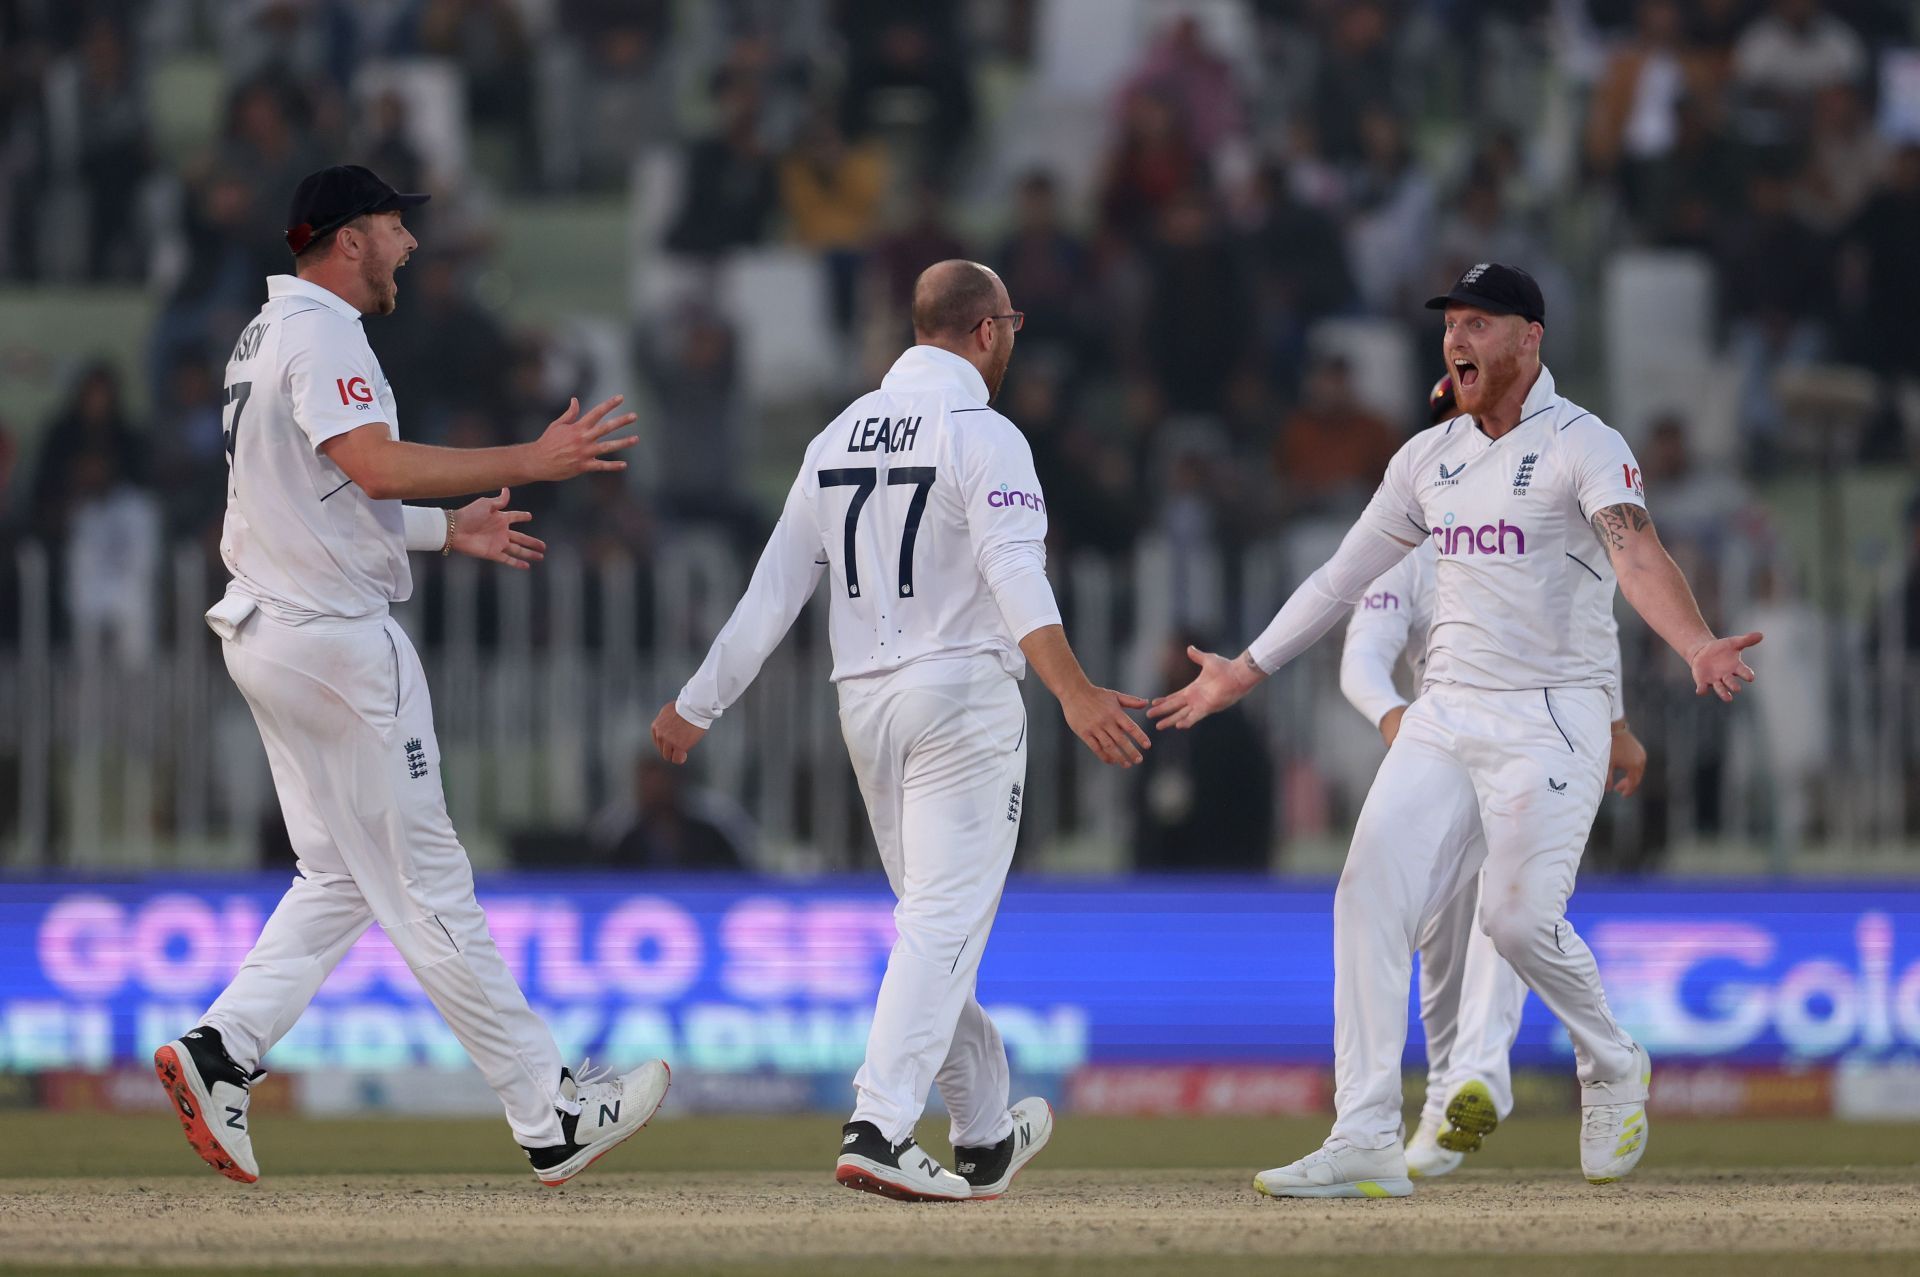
(317, 540)
(920, 505)
(1470, 997)
(1513, 723)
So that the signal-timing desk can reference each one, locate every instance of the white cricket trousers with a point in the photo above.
(940, 751)
(1533, 764)
(1471, 999)
(343, 711)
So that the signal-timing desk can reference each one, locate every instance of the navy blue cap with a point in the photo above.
(1504, 290)
(327, 200)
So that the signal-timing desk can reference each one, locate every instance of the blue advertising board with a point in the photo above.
(756, 975)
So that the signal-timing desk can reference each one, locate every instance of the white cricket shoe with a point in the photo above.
(990, 1170)
(610, 1111)
(904, 1171)
(1614, 1136)
(1337, 1169)
(210, 1095)
(1425, 1158)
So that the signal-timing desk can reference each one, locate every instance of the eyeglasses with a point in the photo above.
(1018, 318)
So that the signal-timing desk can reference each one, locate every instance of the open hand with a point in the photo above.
(1099, 718)
(673, 735)
(1221, 682)
(576, 444)
(484, 529)
(1718, 667)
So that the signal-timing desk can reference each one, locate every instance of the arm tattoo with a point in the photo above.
(1610, 525)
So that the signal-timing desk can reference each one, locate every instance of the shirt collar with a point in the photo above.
(931, 368)
(294, 286)
(1540, 396)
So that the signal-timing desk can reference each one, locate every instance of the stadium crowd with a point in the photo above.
(1338, 164)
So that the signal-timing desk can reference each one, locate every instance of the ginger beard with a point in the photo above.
(1486, 358)
(378, 277)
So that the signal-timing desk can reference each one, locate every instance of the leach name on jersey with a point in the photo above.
(300, 537)
(922, 502)
(1523, 594)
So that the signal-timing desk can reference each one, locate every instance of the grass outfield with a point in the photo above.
(739, 1196)
(86, 1144)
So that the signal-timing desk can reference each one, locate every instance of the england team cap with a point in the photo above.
(1504, 290)
(327, 200)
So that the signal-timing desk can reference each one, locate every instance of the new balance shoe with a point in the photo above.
(1471, 1117)
(1613, 1137)
(1337, 1169)
(903, 1171)
(1425, 1158)
(989, 1170)
(210, 1094)
(610, 1111)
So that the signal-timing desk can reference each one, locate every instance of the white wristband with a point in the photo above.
(426, 527)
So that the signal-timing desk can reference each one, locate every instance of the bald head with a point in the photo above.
(951, 298)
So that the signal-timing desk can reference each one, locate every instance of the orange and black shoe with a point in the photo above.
(210, 1095)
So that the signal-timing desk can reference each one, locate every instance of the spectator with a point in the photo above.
(1151, 163)
(93, 422)
(1699, 506)
(1844, 161)
(925, 237)
(1883, 269)
(1796, 50)
(691, 362)
(1355, 76)
(831, 192)
(1686, 199)
(731, 187)
(388, 150)
(457, 354)
(1045, 266)
(1199, 316)
(111, 559)
(905, 70)
(488, 41)
(1778, 292)
(1633, 124)
(1207, 802)
(667, 825)
(189, 446)
(113, 153)
(1392, 201)
(1181, 68)
(1331, 451)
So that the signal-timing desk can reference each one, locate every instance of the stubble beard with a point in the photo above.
(380, 284)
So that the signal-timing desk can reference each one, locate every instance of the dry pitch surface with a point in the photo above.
(123, 1195)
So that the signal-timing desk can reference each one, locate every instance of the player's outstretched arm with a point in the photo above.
(1097, 715)
(575, 443)
(486, 529)
(1654, 585)
(1309, 612)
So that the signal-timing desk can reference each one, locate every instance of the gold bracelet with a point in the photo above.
(453, 522)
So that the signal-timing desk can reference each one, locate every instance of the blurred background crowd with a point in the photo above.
(1220, 218)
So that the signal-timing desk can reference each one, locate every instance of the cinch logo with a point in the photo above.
(1488, 538)
(353, 390)
(1003, 498)
(1380, 602)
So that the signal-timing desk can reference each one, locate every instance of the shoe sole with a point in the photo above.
(190, 1104)
(1372, 1189)
(614, 1143)
(1416, 1172)
(866, 1178)
(1471, 1117)
(1014, 1171)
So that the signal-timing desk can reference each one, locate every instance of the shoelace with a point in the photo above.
(586, 1075)
(1598, 1121)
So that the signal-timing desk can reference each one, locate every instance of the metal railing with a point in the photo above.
(118, 756)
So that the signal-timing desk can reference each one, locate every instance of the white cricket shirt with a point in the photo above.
(1388, 632)
(300, 537)
(920, 505)
(1523, 593)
